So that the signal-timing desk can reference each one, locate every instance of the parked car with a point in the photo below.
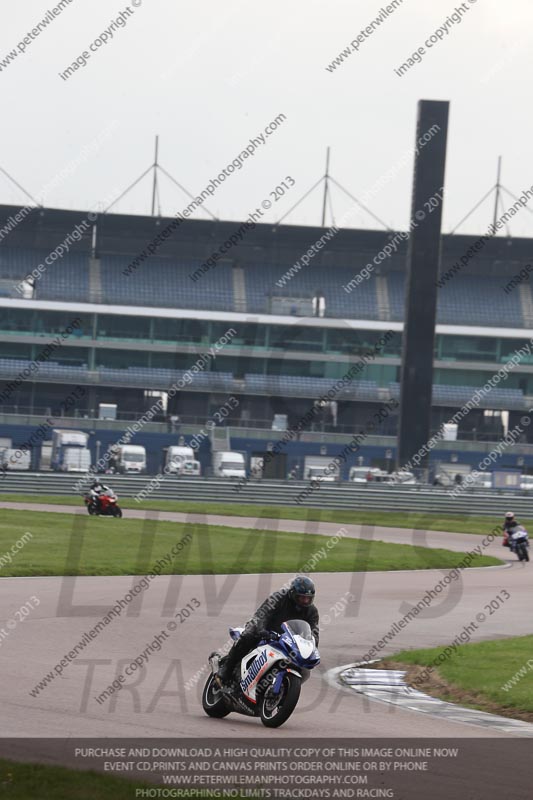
(366, 475)
(483, 480)
(402, 477)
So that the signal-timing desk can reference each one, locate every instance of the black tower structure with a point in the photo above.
(423, 263)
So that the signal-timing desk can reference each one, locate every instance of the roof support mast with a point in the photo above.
(326, 187)
(155, 166)
(498, 189)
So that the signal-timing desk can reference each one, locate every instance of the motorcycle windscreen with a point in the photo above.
(299, 627)
(299, 633)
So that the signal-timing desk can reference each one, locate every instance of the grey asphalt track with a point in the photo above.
(163, 699)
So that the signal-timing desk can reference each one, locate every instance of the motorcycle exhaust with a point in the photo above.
(214, 662)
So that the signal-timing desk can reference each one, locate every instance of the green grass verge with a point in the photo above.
(481, 674)
(108, 546)
(21, 781)
(457, 523)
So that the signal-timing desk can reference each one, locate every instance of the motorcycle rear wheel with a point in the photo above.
(276, 709)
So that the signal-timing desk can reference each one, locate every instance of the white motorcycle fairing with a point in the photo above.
(260, 661)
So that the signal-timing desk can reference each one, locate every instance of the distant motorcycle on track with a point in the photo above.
(102, 505)
(519, 542)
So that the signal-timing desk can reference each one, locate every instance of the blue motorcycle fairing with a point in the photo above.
(289, 648)
(277, 683)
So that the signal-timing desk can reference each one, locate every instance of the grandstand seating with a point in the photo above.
(465, 300)
(309, 387)
(11, 368)
(396, 286)
(162, 378)
(449, 395)
(261, 284)
(65, 279)
(17, 262)
(167, 283)
(474, 301)
(289, 385)
(202, 381)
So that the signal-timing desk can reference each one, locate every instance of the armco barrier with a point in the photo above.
(275, 493)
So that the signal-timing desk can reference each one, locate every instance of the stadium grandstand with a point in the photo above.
(139, 330)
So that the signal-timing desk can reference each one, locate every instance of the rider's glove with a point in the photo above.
(270, 636)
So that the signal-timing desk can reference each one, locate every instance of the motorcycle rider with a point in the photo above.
(98, 488)
(293, 602)
(509, 523)
(516, 535)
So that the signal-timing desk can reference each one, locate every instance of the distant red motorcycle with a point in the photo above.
(103, 505)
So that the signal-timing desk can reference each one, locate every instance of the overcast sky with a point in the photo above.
(209, 76)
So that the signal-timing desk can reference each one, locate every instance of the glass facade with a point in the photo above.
(42, 323)
(290, 349)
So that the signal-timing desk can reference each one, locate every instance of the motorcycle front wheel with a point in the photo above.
(213, 701)
(522, 553)
(117, 512)
(277, 708)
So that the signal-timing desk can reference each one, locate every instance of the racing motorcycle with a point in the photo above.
(103, 505)
(269, 680)
(519, 542)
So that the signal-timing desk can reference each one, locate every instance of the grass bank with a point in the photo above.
(457, 523)
(21, 781)
(61, 544)
(494, 676)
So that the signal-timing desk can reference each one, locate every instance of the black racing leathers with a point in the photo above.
(276, 609)
(279, 608)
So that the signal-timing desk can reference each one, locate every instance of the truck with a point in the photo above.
(181, 461)
(228, 464)
(190, 468)
(11, 458)
(129, 458)
(69, 451)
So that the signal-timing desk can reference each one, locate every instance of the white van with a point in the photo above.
(228, 464)
(130, 458)
(181, 461)
(315, 472)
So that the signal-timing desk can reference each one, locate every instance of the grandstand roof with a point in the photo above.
(44, 228)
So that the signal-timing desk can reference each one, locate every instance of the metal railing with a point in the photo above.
(360, 497)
